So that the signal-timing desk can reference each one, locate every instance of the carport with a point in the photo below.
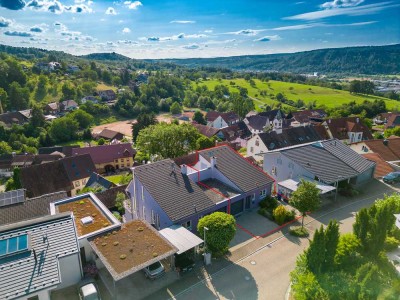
(288, 186)
(181, 238)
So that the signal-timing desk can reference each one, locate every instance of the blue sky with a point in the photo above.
(193, 28)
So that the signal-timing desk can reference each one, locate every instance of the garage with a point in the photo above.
(237, 207)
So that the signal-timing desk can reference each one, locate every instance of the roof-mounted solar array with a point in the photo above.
(12, 197)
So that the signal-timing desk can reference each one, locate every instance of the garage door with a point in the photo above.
(237, 207)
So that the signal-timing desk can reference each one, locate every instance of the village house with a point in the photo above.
(349, 130)
(307, 117)
(268, 141)
(11, 118)
(266, 121)
(52, 108)
(221, 120)
(38, 256)
(325, 162)
(205, 130)
(68, 105)
(92, 99)
(109, 158)
(68, 174)
(109, 135)
(216, 179)
(107, 95)
(393, 121)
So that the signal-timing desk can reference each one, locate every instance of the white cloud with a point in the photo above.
(111, 11)
(268, 38)
(18, 33)
(70, 33)
(183, 22)
(247, 32)
(133, 4)
(343, 11)
(57, 7)
(208, 31)
(37, 28)
(341, 3)
(5, 22)
(295, 27)
(175, 37)
(127, 42)
(191, 47)
(126, 30)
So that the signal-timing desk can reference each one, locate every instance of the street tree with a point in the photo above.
(219, 229)
(305, 199)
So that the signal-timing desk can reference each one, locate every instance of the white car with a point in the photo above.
(89, 291)
(154, 271)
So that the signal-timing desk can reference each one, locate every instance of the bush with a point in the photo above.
(391, 243)
(299, 231)
(280, 214)
(290, 215)
(269, 203)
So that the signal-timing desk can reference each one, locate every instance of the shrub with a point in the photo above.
(280, 214)
(117, 215)
(269, 203)
(290, 215)
(299, 231)
(391, 243)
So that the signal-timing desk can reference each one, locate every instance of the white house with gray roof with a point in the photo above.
(38, 256)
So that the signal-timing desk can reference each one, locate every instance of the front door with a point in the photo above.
(248, 202)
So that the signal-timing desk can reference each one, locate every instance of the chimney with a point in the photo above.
(213, 161)
(358, 120)
(386, 142)
(184, 169)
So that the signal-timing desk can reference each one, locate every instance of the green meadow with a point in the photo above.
(294, 91)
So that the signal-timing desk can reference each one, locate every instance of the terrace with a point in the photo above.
(216, 190)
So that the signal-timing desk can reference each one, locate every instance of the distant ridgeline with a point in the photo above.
(351, 60)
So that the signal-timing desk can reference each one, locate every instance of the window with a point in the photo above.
(188, 225)
(14, 245)
(274, 171)
(142, 193)
(251, 150)
(257, 143)
(77, 183)
(153, 217)
(144, 213)
(263, 193)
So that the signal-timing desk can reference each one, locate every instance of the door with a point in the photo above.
(83, 256)
(248, 202)
(237, 207)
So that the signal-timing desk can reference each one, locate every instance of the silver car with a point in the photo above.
(154, 271)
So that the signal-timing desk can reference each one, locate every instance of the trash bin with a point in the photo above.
(207, 259)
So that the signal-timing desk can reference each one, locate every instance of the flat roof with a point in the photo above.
(84, 207)
(293, 184)
(181, 238)
(130, 249)
(216, 190)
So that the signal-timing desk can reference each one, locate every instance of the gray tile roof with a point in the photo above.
(236, 168)
(30, 208)
(20, 276)
(329, 160)
(176, 194)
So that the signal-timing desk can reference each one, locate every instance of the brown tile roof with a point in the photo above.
(388, 149)
(109, 134)
(33, 159)
(238, 130)
(341, 126)
(68, 104)
(11, 118)
(30, 208)
(106, 153)
(66, 150)
(107, 197)
(382, 167)
(56, 176)
(227, 116)
(53, 105)
(393, 121)
(206, 130)
(309, 115)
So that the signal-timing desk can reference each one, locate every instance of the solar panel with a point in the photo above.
(12, 197)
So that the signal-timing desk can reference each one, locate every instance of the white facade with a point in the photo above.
(218, 123)
(254, 146)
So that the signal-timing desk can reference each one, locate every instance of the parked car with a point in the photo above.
(184, 262)
(88, 290)
(392, 177)
(154, 271)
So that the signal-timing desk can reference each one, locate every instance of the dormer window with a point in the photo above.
(13, 245)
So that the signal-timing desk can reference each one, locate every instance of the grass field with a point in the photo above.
(294, 91)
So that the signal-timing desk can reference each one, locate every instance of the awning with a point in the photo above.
(292, 184)
(181, 238)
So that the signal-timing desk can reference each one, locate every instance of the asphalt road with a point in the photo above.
(265, 273)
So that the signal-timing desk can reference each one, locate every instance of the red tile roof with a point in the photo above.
(393, 121)
(382, 167)
(341, 126)
(106, 153)
(206, 130)
(388, 149)
(227, 116)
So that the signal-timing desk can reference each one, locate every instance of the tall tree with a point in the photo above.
(68, 90)
(64, 129)
(306, 198)
(18, 96)
(41, 88)
(331, 243)
(143, 121)
(315, 254)
(37, 120)
(199, 118)
(3, 100)
(241, 105)
(167, 140)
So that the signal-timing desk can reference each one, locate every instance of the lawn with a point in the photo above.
(294, 91)
(115, 178)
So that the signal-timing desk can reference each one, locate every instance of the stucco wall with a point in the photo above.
(70, 270)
